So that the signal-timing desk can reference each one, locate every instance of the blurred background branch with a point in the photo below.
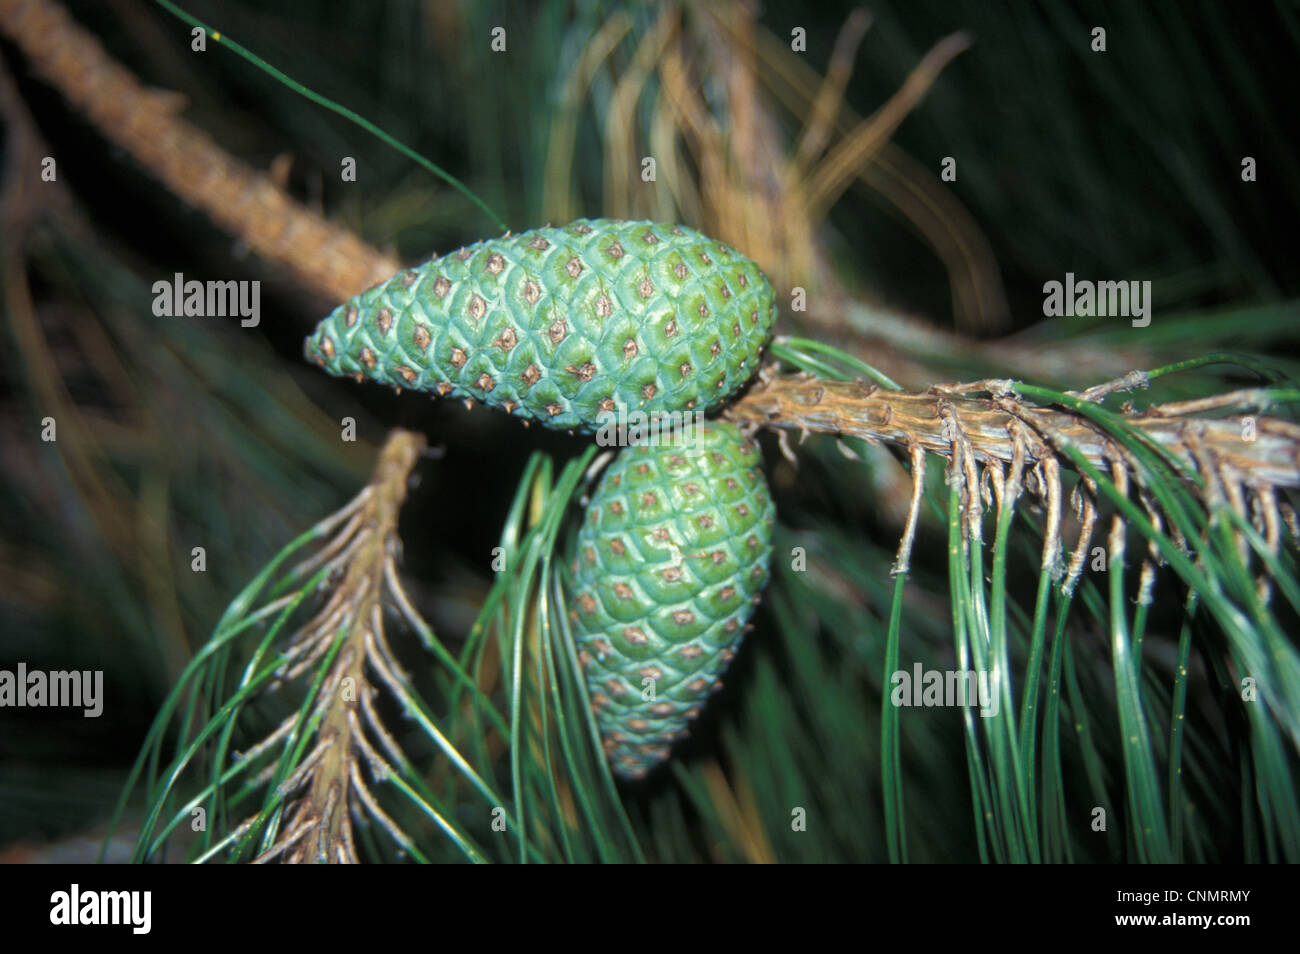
(823, 164)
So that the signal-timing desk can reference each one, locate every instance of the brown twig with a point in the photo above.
(328, 790)
(323, 256)
(903, 418)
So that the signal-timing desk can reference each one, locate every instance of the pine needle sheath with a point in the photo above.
(860, 409)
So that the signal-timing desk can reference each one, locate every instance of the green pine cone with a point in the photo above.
(667, 568)
(560, 325)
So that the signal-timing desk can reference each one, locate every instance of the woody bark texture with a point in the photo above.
(937, 418)
(238, 198)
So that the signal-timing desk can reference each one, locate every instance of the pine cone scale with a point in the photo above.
(563, 325)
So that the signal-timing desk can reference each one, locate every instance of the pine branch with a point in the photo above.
(932, 418)
(329, 786)
(331, 260)
(323, 256)
(1005, 442)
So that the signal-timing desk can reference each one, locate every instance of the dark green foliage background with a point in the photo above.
(1122, 165)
